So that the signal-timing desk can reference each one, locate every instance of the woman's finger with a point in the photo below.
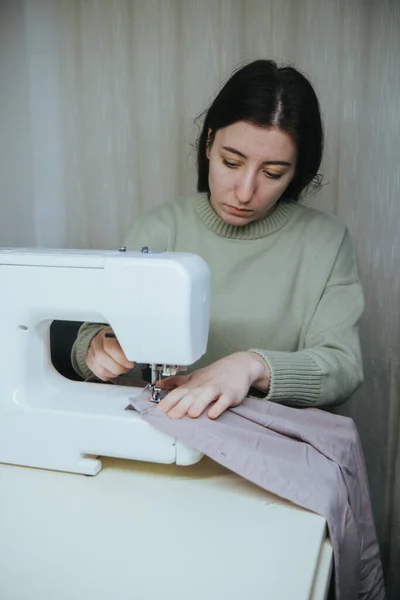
(169, 383)
(116, 353)
(220, 406)
(100, 372)
(184, 405)
(194, 402)
(172, 399)
(113, 349)
(207, 395)
(105, 347)
(105, 361)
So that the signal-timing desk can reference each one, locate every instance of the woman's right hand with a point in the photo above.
(106, 358)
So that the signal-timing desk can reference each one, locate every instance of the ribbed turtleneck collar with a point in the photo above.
(258, 229)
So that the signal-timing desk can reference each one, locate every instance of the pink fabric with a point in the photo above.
(307, 456)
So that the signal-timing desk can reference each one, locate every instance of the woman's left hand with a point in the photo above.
(224, 383)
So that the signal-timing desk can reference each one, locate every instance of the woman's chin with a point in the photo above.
(239, 220)
(236, 220)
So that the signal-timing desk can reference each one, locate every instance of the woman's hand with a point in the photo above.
(106, 358)
(225, 383)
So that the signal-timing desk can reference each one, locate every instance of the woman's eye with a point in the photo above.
(273, 175)
(229, 164)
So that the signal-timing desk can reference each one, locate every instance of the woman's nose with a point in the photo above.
(245, 187)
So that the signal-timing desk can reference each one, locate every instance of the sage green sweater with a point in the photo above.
(285, 287)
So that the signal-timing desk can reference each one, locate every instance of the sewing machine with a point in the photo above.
(158, 305)
(123, 532)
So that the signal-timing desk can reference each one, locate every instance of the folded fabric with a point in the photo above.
(307, 456)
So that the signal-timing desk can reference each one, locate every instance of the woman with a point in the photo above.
(286, 298)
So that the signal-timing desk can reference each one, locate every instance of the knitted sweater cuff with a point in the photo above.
(295, 377)
(81, 348)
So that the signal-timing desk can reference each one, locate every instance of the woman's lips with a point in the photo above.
(242, 212)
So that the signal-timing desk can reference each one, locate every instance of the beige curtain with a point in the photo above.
(136, 73)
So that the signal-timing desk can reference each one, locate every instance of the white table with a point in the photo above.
(142, 531)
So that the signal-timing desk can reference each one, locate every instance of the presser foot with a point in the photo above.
(157, 373)
(157, 394)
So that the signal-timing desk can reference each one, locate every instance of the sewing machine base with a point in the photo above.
(71, 429)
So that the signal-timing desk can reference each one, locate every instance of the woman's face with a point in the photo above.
(250, 168)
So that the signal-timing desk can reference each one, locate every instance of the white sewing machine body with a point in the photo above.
(158, 305)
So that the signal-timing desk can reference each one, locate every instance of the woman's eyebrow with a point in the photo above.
(266, 162)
